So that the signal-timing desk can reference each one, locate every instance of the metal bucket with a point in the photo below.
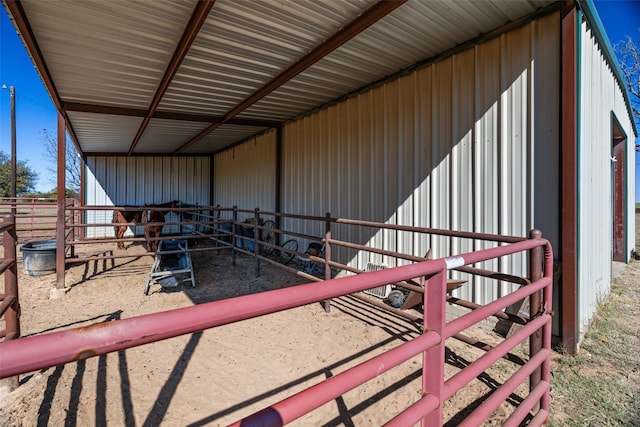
(39, 258)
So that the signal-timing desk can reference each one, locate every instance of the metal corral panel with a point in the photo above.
(93, 131)
(452, 145)
(222, 137)
(134, 181)
(82, 41)
(245, 175)
(600, 98)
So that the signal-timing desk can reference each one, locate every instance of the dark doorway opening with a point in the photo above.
(619, 152)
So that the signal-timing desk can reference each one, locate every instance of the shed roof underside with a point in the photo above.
(151, 77)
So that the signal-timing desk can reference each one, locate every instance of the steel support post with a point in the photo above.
(326, 304)
(233, 235)
(435, 295)
(536, 256)
(60, 218)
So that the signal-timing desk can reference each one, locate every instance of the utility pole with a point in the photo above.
(12, 94)
(14, 174)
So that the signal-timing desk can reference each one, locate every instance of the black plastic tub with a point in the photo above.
(39, 258)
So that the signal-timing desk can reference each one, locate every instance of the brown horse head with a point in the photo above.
(153, 220)
(120, 220)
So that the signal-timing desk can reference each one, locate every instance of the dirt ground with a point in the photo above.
(219, 376)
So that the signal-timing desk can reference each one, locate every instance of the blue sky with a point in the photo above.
(35, 112)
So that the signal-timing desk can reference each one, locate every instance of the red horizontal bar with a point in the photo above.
(52, 349)
(38, 352)
(461, 323)
(521, 412)
(487, 407)
(542, 417)
(301, 403)
(466, 375)
(415, 412)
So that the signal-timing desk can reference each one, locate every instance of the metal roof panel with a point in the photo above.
(107, 53)
(115, 54)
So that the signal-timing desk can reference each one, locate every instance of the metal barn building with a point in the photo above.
(486, 116)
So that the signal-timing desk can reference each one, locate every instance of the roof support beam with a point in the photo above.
(358, 25)
(199, 16)
(569, 143)
(187, 117)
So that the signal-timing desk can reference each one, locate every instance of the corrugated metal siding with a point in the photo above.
(82, 41)
(243, 45)
(100, 135)
(222, 137)
(120, 181)
(599, 97)
(454, 145)
(160, 135)
(116, 53)
(413, 32)
(448, 146)
(245, 175)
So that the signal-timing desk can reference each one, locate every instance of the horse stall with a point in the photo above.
(234, 284)
(413, 148)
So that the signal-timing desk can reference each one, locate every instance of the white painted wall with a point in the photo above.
(599, 96)
(469, 143)
(245, 176)
(134, 181)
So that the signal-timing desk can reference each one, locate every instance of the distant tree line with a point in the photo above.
(27, 178)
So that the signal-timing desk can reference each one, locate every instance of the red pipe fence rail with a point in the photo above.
(36, 217)
(52, 349)
(9, 303)
(226, 226)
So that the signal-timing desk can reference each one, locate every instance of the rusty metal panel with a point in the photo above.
(245, 175)
(119, 181)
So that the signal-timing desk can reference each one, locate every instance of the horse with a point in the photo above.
(152, 220)
(134, 215)
(124, 217)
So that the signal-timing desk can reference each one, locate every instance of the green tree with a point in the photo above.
(629, 59)
(73, 162)
(26, 177)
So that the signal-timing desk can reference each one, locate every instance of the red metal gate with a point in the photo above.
(52, 349)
